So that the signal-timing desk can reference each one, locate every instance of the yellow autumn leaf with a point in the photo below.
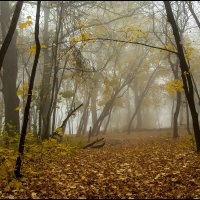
(32, 50)
(22, 25)
(174, 86)
(25, 84)
(29, 23)
(43, 46)
(58, 130)
(85, 36)
(9, 164)
(18, 108)
(83, 44)
(16, 184)
(19, 92)
(75, 39)
(129, 194)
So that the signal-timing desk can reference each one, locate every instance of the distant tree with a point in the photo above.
(10, 66)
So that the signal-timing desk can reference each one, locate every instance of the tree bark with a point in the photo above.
(174, 67)
(29, 98)
(46, 75)
(84, 116)
(176, 114)
(10, 32)
(185, 74)
(93, 103)
(189, 3)
(54, 91)
(188, 119)
(9, 78)
(139, 114)
(141, 99)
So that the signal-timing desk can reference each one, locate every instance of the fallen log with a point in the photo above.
(98, 145)
(92, 143)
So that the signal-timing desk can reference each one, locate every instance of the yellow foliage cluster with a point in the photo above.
(135, 32)
(79, 24)
(188, 53)
(23, 92)
(32, 49)
(169, 47)
(36, 154)
(82, 37)
(28, 22)
(110, 84)
(174, 86)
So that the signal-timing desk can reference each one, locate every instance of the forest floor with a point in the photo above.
(143, 165)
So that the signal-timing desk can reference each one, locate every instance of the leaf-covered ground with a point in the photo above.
(157, 168)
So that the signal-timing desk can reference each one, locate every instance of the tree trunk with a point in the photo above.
(193, 13)
(84, 116)
(188, 119)
(185, 73)
(172, 113)
(176, 113)
(141, 99)
(174, 67)
(107, 122)
(93, 103)
(138, 115)
(54, 91)
(11, 30)
(9, 78)
(45, 89)
(29, 98)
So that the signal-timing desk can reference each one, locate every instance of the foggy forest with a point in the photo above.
(99, 99)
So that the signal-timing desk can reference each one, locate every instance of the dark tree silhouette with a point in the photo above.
(28, 103)
(185, 74)
(11, 31)
(10, 71)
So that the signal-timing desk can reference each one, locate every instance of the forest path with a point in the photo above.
(155, 168)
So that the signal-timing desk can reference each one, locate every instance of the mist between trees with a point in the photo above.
(88, 68)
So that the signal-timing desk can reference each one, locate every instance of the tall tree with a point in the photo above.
(29, 98)
(10, 32)
(10, 67)
(46, 75)
(185, 74)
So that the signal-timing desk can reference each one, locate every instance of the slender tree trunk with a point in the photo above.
(104, 113)
(54, 92)
(45, 89)
(10, 32)
(193, 13)
(174, 67)
(172, 113)
(93, 103)
(185, 73)
(29, 98)
(69, 109)
(141, 99)
(188, 119)
(85, 122)
(176, 114)
(138, 115)
(84, 116)
(108, 120)
(128, 105)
